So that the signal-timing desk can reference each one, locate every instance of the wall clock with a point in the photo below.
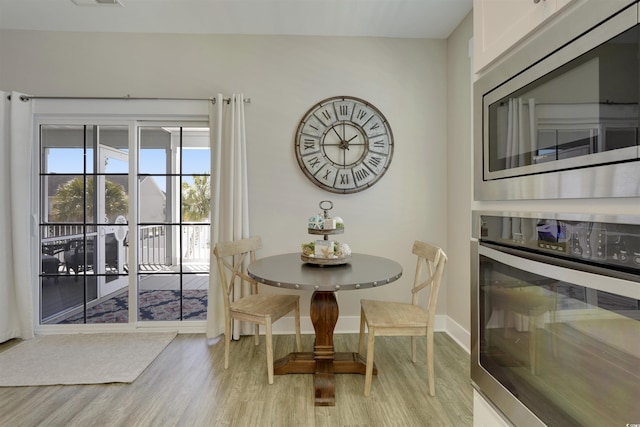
(344, 144)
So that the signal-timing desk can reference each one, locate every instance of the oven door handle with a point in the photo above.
(602, 279)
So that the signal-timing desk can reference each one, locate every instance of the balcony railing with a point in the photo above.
(155, 250)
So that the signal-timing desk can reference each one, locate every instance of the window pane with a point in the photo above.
(155, 150)
(196, 198)
(152, 204)
(113, 250)
(115, 137)
(194, 301)
(153, 161)
(112, 310)
(160, 298)
(116, 166)
(64, 198)
(63, 160)
(195, 248)
(155, 248)
(116, 197)
(63, 300)
(115, 309)
(62, 149)
(114, 149)
(196, 161)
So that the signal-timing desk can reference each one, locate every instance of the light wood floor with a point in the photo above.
(188, 386)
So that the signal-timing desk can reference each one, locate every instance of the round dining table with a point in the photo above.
(290, 271)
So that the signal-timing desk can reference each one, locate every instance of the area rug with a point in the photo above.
(81, 358)
(153, 305)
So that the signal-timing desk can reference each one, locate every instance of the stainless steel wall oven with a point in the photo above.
(567, 125)
(556, 317)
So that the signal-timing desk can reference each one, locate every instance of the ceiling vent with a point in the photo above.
(117, 3)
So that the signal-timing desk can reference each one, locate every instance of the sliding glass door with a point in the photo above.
(173, 229)
(87, 210)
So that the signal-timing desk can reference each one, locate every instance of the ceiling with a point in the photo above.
(371, 18)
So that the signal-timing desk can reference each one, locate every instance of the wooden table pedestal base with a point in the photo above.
(323, 362)
(305, 363)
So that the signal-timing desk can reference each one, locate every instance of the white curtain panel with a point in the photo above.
(521, 130)
(514, 132)
(16, 304)
(229, 194)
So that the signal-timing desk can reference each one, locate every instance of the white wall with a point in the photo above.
(459, 179)
(284, 76)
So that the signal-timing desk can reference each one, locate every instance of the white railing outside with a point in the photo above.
(195, 243)
(154, 250)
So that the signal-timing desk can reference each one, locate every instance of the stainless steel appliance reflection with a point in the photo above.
(567, 125)
(556, 317)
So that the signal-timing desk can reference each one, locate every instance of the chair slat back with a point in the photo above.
(230, 257)
(434, 258)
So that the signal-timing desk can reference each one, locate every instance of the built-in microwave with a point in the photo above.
(566, 126)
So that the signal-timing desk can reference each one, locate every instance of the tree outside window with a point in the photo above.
(69, 204)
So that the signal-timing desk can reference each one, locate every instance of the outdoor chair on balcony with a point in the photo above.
(50, 259)
(78, 256)
(256, 308)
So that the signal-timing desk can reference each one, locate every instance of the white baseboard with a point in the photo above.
(351, 325)
(457, 333)
(284, 326)
(190, 327)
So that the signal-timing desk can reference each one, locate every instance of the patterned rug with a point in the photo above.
(152, 305)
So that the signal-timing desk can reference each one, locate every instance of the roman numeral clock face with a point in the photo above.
(344, 144)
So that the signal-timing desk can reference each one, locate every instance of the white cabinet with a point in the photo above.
(485, 415)
(502, 27)
(501, 24)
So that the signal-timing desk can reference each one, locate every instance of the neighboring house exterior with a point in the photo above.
(154, 201)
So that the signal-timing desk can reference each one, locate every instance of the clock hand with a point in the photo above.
(345, 144)
(339, 137)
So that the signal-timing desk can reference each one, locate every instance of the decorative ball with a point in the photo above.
(343, 250)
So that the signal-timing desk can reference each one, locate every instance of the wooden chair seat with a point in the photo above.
(386, 314)
(274, 306)
(389, 318)
(255, 308)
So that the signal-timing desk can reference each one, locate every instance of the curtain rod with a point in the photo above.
(126, 98)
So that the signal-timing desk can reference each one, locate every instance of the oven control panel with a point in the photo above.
(602, 242)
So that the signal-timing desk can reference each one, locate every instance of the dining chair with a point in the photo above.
(260, 309)
(387, 318)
